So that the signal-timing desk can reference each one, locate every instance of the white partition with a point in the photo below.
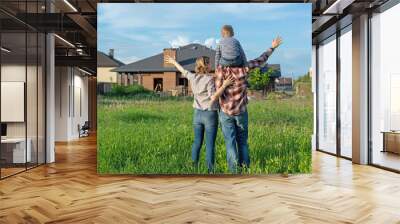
(12, 101)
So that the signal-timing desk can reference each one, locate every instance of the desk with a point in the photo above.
(391, 141)
(13, 150)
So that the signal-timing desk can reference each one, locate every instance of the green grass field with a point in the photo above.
(153, 136)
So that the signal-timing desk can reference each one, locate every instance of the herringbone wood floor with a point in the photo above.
(70, 191)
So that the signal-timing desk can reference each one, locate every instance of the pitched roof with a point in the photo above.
(104, 60)
(186, 56)
(275, 67)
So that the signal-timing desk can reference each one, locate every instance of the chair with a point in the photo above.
(84, 130)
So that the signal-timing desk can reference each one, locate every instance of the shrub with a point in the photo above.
(258, 80)
(131, 90)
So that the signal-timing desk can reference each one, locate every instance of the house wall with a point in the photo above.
(169, 80)
(124, 79)
(105, 75)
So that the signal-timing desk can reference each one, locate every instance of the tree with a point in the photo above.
(258, 80)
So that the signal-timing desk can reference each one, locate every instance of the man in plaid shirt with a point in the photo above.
(233, 114)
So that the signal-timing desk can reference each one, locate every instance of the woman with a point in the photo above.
(205, 118)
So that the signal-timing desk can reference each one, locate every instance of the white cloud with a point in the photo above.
(130, 59)
(179, 41)
(210, 42)
(182, 40)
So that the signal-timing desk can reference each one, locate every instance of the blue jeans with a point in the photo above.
(205, 122)
(235, 130)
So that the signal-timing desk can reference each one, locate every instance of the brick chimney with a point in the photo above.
(111, 53)
(169, 52)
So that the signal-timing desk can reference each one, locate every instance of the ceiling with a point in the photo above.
(75, 22)
(330, 13)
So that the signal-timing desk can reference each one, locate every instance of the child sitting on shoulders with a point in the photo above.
(229, 52)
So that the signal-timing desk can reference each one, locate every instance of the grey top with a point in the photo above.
(229, 48)
(203, 87)
(104, 60)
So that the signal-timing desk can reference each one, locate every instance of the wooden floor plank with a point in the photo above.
(70, 191)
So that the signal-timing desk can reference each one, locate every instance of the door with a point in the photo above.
(158, 84)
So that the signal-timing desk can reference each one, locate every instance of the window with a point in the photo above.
(346, 92)
(385, 89)
(183, 82)
(22, 76)
(327, 95)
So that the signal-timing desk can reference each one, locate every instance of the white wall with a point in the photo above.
(16, 73)
(71, 102)
(62, 82)
(80, 112)
(33, 126)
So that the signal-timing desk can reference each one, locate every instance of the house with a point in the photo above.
(154, 74)
(283, 84)
(105, 76)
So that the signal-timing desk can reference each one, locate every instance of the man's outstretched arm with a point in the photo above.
(262, 59)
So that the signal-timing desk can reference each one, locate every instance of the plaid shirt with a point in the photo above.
(234, 99)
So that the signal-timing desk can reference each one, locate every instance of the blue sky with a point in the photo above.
(137, 31)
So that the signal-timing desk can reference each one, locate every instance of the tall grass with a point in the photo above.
(154, 136)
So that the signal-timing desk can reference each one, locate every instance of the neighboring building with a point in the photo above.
(284, 84)
(154, 74)
(105, 76)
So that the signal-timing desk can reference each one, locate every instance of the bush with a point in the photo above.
(258, 80)
(131, 90)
